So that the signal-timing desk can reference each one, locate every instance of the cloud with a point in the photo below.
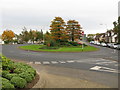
(39, 13)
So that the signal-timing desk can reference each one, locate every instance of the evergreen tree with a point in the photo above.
(57, 30)
(73, 30)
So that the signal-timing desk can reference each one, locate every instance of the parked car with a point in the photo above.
(109, 45)
(103, 44)
(118, 47)
(98, 43)
(92, 42)
(113, 45)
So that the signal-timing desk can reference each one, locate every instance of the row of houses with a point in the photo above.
(110, 37)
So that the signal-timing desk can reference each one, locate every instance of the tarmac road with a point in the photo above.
(101, 64)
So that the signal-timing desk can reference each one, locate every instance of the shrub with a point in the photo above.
(46, 47)
(20, 65)
(10, 76)
(4, 73)
(6, 85)
(73, 43)
(31, 71)
(27, 76)
(19, 70)
(18, 82)
(6, 63)
(5, 80)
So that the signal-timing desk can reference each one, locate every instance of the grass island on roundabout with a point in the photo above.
(44, 48)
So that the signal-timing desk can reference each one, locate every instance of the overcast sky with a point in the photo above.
(37, 14)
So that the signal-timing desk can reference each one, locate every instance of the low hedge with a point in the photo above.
(15, 75)
(18, 82)
(6, 85)
(27, 76)
(10, 76)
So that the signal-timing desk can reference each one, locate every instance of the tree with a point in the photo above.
(32, 35)
(119, 29)
(8, 36)
(39, 35)
(73, 29)
(116, 29)
(25, 35)
(90, 37)
(57, 30)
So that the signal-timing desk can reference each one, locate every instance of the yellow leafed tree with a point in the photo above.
(8, 35)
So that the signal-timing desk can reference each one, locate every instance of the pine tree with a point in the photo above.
(73, 29)
(57, 29)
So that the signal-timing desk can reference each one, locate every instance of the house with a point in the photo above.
(111, 37)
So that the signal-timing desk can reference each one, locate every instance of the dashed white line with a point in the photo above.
(46, 62)
(79, 61)
(30, 63)
(37, 62)
(54, 62)
(62, 61)
(70, 61)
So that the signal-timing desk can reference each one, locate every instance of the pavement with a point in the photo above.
(50, 80)
(98, 68)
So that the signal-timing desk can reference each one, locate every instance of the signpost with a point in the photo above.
(82, 40)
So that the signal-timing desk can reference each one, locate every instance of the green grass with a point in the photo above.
(61, 49)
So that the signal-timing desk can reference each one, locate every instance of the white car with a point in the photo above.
(98, 43)
(116, 46)
(92, 42)
(103, 44)
(112, 45)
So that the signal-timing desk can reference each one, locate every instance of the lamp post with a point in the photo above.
(107, 31)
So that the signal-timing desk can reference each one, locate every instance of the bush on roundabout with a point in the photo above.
(15, 75)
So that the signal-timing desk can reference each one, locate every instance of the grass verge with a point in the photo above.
(61, 49)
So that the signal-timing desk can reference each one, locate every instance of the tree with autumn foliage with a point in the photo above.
(73, 29)
(8, 36)
(57, 30)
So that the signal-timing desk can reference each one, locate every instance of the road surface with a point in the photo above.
(98, 66)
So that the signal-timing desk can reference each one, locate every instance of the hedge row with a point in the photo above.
(15, 75)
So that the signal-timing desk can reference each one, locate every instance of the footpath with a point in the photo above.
(50, 79)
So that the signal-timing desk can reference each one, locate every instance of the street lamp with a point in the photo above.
(107, 31)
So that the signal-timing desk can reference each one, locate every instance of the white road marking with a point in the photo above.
(79, 61)
(106, 69)
(95, 68)
(54, 62)
(30, 63)
(62, 61)
(70, 61)
(37, 62)
(46, 62)
(108, 62)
